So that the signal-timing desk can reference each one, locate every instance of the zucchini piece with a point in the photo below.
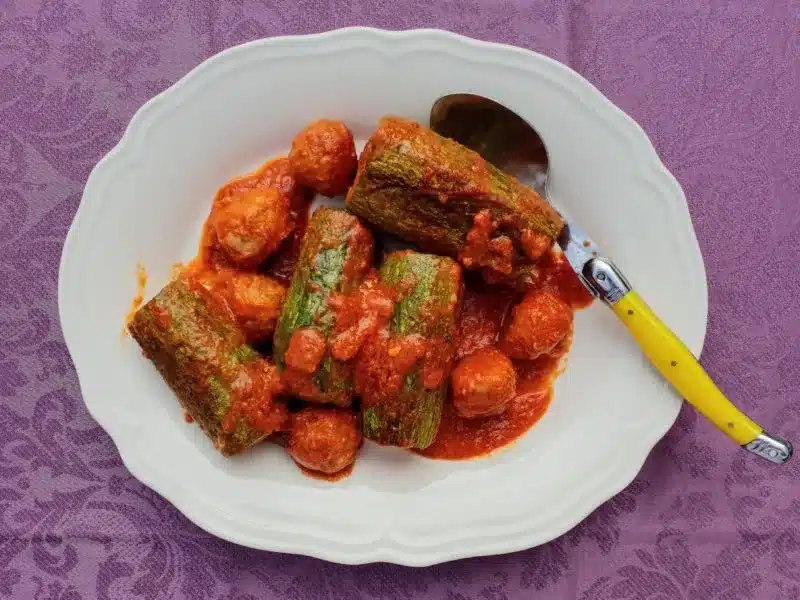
(428, 190)
(402, 373)
(335, 257)
(192, 338)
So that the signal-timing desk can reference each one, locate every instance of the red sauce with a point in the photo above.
(538, 374)
(359, 256)
(359, 316)
(460, 439)
(306, 349)
(188, 418)
(301, 385)
(482, 316)
(558, 275)
(437, 363)
(482, 250)
(252, 399)
(281, 264)
(535, 244)
(383, 364)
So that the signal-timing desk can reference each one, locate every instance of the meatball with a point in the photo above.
(324, 439)
(251, 226)
(256, 300)
(275, 173)
(483, 383)
(323, 157)
(538, 324)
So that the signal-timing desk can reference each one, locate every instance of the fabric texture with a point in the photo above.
(716, 85)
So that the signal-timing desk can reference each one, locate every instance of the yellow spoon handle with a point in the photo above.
(678, 366)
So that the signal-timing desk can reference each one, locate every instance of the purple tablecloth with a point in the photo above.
(715, 84)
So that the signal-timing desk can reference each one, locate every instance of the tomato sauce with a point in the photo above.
(483, 313)
(306, 350)
(359, 316)
(558, 275)
(483, 250)
(253, 400)
(482, 319)
(383, 364)
(281, 264)
(460, 439)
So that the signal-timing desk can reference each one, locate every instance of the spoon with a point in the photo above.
(506, 140)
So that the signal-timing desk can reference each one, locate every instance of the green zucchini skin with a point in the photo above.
(427, 189)
(193, 340)
(408, 413)
(335, 257)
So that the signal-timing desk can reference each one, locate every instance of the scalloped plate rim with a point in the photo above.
(321, 547)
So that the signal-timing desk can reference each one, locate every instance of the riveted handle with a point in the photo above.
(679, 366)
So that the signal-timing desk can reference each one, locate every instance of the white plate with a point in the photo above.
(146, 200)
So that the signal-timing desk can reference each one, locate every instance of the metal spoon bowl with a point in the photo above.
(497, 133)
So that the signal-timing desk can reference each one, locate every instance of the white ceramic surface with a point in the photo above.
(146, 200)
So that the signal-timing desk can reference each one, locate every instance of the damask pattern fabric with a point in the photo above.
(716, 85)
